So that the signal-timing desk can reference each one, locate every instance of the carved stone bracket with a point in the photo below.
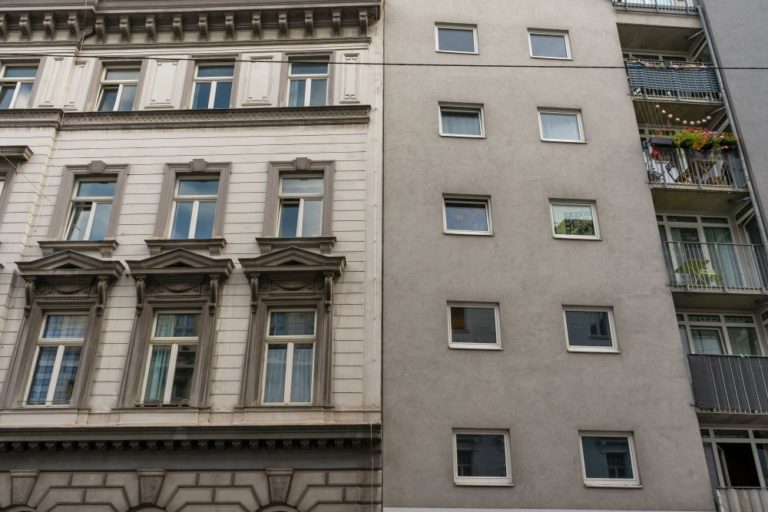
(101, 288)
(3, 27)
(213, 298)
(73, 26)
(25, 26)
(229, 26)
(124, 26)
(282, 24)
(100, 28)
(256, 25)
(328, 291)
(279, 485)
(336, 21)
(363, 21)
(29, 295)
(151, 27)
(202, 26)
(49, 26)
(254, 283)
(178, 28)
(140, 293)
(309, 22)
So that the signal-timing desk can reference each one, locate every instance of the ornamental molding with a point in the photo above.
(169, 119)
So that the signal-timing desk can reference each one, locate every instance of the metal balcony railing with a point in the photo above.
(741, 500)
(672, 6)
(677, 167)
(730, 384)
(673, 81)
(717, 267)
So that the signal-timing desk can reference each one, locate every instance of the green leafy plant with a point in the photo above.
(699, 139)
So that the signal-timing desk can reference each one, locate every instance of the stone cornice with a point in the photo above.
(168, 119)
(15, 153)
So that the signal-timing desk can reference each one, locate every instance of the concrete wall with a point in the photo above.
(543, 394)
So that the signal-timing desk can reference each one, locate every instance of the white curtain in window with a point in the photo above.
(461, 123)
(274, 384)
(158, 372)
(301, 383)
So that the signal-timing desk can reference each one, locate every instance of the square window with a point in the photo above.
(550, 45)
(194, 209)
(609, 460)
(300, 212)
(456, 39)
(575, 220)
(118, 89)
(461, 121)
(213, 86)
(16, 86)
(289, 357)
(481, 458)
(466, 216)
(90, 210)
(308, 82)
(590, 330)
(561, 126)
(474, 326)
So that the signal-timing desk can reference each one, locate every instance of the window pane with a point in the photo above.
(296, 93)
(65, 384)
(588, 328)
(707, 341)
(312, 224)
(560, 126)
(181, 221)
(177, 325)
(127, 98)
(573, 220)
(466, 216)
(481, 455)
(215, 71)
(206, 213)
(80, 214)
(65, 326)
(100, 221)
(549, 46)
(744, 341)
(6, 95)
(41, 376)
(302, 186)
(607, 457)
(319, 94)
(309, 68)
(456, 40)
(122, 74)
(198, 187)
(301, 383)
(96, 189)
(289, 218)
(274, 381)
(158, 372)
(202, 95)
(223, 93)
(292, 323)
(473, 325)
(461, 122)
(21, 71)
(25, 92)
(108, 98)
(182, 377)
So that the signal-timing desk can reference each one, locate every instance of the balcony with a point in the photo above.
(730, 384)
(673, 81)
(741, 500)
(687, 169)
(664, 6)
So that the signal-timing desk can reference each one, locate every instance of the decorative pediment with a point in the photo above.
(294, 260)
(69, 264)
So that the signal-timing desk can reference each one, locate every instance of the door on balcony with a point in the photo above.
(720, 334)
(736, 458)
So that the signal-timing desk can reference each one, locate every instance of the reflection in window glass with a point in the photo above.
(455, 39)
(551, 46)
(589, 328)
(560, 126)
(464, 122)
(574, 220)
(607, 458)
(466, 216)
(481, 455)
(473, 325)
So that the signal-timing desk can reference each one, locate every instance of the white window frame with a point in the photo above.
(475, 346)
(582, 139)
(568, 202)
(722, 325)
(17, 81)
(558, 33)
(613, 349)
(467, 200)
(712, 440)
(309, 78)
(290, 341)
(120, 84)
(611, 482)
(456, 26)
(213, 80)
(61, 344)
(300, 197)
(173, 342)
(195, 200)
(481, 480)
(462, 107)
(83, 200)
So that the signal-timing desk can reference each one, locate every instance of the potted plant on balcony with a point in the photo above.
(703, 140)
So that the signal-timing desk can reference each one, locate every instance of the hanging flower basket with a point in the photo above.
(704, 140)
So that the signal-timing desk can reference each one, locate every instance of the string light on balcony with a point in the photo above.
(684, 122)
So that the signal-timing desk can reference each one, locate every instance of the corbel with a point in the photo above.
(178, 28)
(151, 27)
(256, 25)
(198, 165)
(309, 22)
(213, 299)
(282, 24)
(125, 28)
(29, 295)
(336, 21)
(254, 283)
(202, 26)
(100, 28)
(101, 289)
(73, 25)
(25, 26)
(363, 21)
(3, 27)
(97, 167)
(49, 26)
(140, 291)
(229, 26)
(328, 292)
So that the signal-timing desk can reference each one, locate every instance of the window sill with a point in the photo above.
(324, 244)
(578, 238)
(613, 485)
(592, 350)
(479, 346)
(469, 483)
(467, 233)
(450, 136)
(214, 245)
(556, 141)
(106, 247)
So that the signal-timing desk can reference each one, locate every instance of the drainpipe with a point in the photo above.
(734, 125)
